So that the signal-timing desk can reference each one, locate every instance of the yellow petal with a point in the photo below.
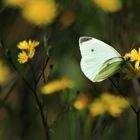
(127, 55)
(137, 63)
(139, 50)
(23, 45)
(134, 51)
(35, 43)
(31, 52)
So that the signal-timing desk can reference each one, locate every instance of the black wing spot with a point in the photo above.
(92, 50)
(84, 39)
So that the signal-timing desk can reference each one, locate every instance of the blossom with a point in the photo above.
(27, 50)
(18, 3)
(4, 72)
(22, 57)
(114, 104)
(134, 56)
(25, 45)
(107, 103)
(97, 108)
(40, 12)
(132, 69)
(109, 5)
(57, 85)
(82, 101)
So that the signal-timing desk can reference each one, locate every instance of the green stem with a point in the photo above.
(43, 118)
(33, 89)
(138, 117)
(9, 91)
(121, 93)
(138, 124)
(44, 122)
(45, 65)
(32, 70)
(134, 110)
(42, 114)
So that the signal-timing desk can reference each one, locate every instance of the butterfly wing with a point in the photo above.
(95, 54)
(109, 69)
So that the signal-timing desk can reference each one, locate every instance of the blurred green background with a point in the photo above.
(19, 114)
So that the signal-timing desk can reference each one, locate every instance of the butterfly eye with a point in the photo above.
(92, 50)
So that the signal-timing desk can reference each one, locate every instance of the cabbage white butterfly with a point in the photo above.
(99, 60)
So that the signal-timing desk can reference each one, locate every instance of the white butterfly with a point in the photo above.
(99, 60)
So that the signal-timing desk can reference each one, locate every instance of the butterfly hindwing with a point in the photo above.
(109, 70)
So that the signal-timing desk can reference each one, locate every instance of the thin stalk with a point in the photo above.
(43, 118)
(33, 89)
(37, 101)
(32, 70)
(138, 124)
(121, 93)
(21, 76)
(44, 79)
(44, 122)
(45, 65)
(9, 91)
(138, 117)
(137, 113)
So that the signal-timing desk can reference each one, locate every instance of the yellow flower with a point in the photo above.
(4, 72)
(57, 85)
(40, 12)
(132, 69)
(19, 3)
(22, 57)
(82, 102)
(114, 104)
(109, 5)
(28, 50)
(26, 45)
(97, 108)
(107, 103)
(134, 56)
